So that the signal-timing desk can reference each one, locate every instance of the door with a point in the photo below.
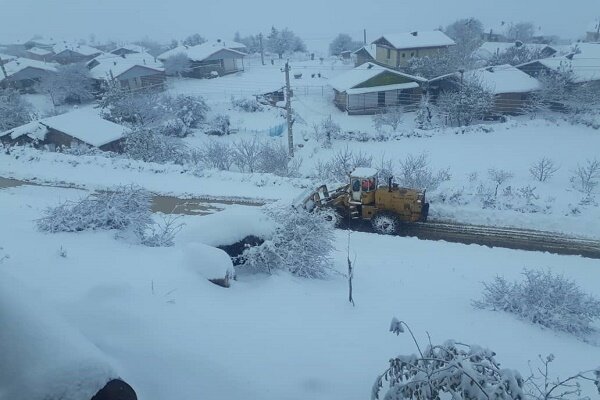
(380, 99)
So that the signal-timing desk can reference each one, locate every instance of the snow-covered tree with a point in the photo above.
(466, 32)
(416, 172)
(14, 110)
(191, 110)
(343, 42)
(449, 370)
(220, 125)
(424, 114)
(246, 104)
(141, 108)
(341, 164)
(391, 117)
(193, 40)
(543, 298)
(147, 145)
(252, 42)
(177, 64)
(522, 31)
(284, 41)
(217, 154)
(274, 159)
(471, 102)
(326, 131)
(586, 179)
(154, 48)
(516, 55)
(543, 169)
(301, 244)
(499, 177)
(71, 83)
(247, 153)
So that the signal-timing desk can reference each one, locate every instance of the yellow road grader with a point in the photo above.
(386, 206)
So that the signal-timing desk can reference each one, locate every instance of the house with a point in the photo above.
(80, 127)
(581, 63)
(40, 43)
(487, 50)
(23, 73)
(495, 33)
(129, 49)
(133, 71)
(592, 33)
(370, 88)
(39, 54)
(364, 54)
(207, 58)
(4, 58)
(511, 87)
(395, 50)
(66, 53)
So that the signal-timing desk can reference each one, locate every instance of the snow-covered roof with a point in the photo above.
(131, 47)
(364, 172)
(504, 79)
(370, 48)
(347, 81)
(19, 64)
(201, 51)
(117, 65)
(418, 39)
(38, 51)
(584, 64)
(7, 57)
(488, 49)
(84, 124)
(82, 49)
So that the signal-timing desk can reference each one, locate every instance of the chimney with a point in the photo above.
(415, 33)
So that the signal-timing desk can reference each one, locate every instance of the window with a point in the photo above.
(403, 55)
(389, 53)
(412, 54)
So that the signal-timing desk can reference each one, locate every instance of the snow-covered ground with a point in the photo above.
(172, 334)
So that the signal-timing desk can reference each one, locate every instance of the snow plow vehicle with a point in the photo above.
(363, 198)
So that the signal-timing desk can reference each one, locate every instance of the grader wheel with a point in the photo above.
(385, 223)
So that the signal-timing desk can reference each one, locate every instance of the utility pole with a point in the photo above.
(598, 29)
(3, 69)
(262, 50)
(364, 36)
(288, 108)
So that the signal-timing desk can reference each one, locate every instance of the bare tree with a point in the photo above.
(217, 154)
(177, 64)
(247, 153)
(416, 172)
(391, 116)
(585, 178)
(499, 177)
(543, 169)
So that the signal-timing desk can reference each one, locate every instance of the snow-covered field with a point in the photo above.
(172, 334)
(153, 316)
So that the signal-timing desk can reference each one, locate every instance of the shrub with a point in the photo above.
(217, 154)
(543, 298)
(302, 244)
(219, 126)
(246, 104)
(543, 169)
(450, 370)
(586, 178)
(416, 173)
(14, 110)
(471, 102)
(274, 159)
(148, 146)
(191, 110)
(247, 153)
(326, 131)
(391, 117)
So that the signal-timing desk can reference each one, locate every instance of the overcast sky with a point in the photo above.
(315, 20)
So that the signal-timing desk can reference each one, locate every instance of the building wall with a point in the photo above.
(510, 103)
(26, 79)
(400, 57)
(369, 103)
(340, 99)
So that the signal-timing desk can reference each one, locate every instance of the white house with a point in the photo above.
(209, 57)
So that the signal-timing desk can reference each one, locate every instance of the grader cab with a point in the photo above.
(386, 206)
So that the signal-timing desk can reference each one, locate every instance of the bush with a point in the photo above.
(326, 131)
(217, 154)
(586, 178)
(450, 370)
(148, 146)
(246, 104)
(542, 298)
(191, 110)
(275, 159)
(416, 173)
(247, 153)
(14, 110)
(343, 162)
(391, 117)
(302, 244)
(543, 169)
(219, 126)
(471, 102)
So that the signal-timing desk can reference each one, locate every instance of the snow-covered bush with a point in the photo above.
(471, 102)
(416, 173)
(146, 145)
(274, 159)
(516, 55)
(141, 108)
(162, 233)
(343, 42)
(177, 64)
(450, 370)
(391, 117)
(123, 208)
(247, 153)
(14, 110)
(191, 110)
(302, 244)
(173, 127)
(586, 178)
(246, 104)
(219, 126)
(341, 164)
(217, 154)
(424, 114)
(325, 131)
(543, 169)
(499, 177)
(543, 298)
